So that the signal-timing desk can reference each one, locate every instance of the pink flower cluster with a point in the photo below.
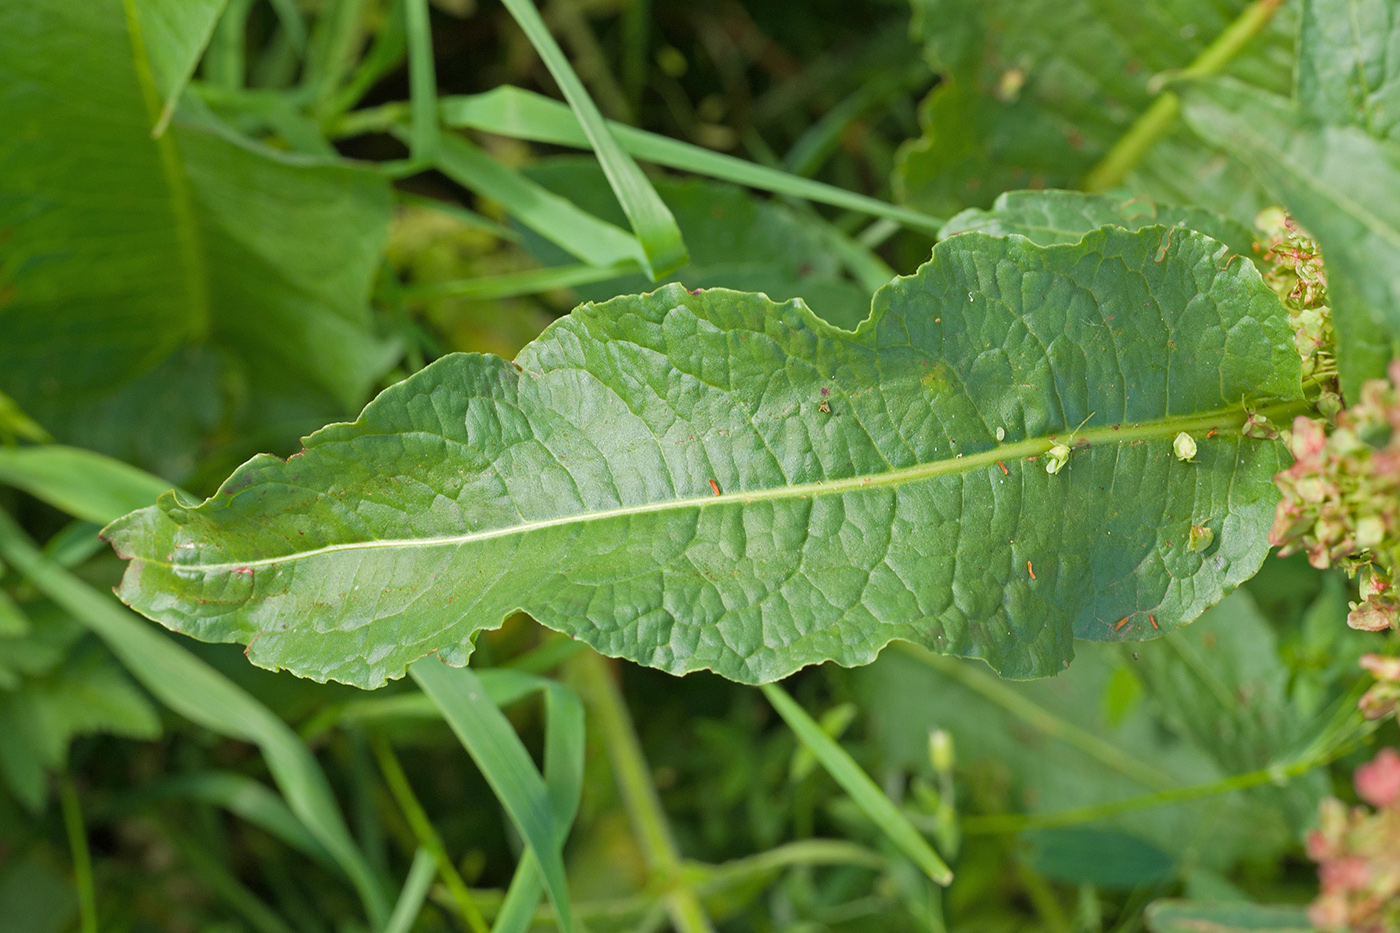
(1384, 696)
(1292, 266)
(1358, 854)
(1341, 498)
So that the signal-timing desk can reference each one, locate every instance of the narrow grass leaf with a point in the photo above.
(862, 790)
(511, 111)
(488, 736)
(651, 218)
(422, 82)
(563, 778)
(415, 891)
(422, 826)
(463, 215)
(555, 218)
(201, 694)
(84, 484)
(529, 282)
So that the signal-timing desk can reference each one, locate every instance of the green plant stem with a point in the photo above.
(428, 838)
(1005, 696)
(1273, 774)
(709, 881)
(82, 855)
(1159, 117)
(639, 794)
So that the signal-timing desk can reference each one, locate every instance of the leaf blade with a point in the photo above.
(1343, 186)
(664, 477)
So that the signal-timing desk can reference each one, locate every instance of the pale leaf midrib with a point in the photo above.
(1221, 420)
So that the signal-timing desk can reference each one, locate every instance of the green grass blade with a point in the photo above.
(83, 483)
(489, 738)
(552, 217)
(651, 218)
(563, 778)
(81, 854)
(529, 282)
(422, 83)
(422, 827)
(248, 799)
(293, 22)
(862, 790)
(415, 891)
(511, 111)
(202, 695)
(226, 58)
(463, 215)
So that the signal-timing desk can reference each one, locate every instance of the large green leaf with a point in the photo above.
(714, 480)
(1344, 186)
(120, 248)
(1349, 64)
(1048, 217)
(1035, 93)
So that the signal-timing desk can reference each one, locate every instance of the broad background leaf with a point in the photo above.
(1036, 92)
(1343, 186)
(1349, 64)
(576, 482)
(1205, 703)
(51, 693)
(121, 250)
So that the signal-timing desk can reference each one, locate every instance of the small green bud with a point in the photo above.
(1184, 446)
(1056, 459)
(1199, 538)
(940, 751)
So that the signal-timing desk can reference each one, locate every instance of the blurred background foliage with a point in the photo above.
(329, 263)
